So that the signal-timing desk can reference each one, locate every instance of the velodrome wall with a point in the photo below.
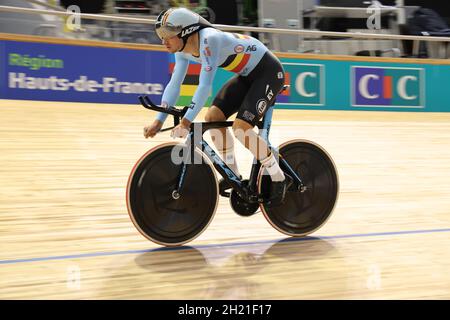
(47, 69)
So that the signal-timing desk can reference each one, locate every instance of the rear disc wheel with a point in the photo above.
(302, 213)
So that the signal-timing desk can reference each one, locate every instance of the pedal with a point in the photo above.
(289, 182)
(224, 193)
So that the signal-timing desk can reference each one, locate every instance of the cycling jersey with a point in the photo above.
(233, 52)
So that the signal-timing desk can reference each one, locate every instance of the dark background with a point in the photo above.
(226, 11)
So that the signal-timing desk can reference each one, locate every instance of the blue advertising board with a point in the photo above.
(55, 72)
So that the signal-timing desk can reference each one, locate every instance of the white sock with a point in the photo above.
(230, 159)
(272, 167)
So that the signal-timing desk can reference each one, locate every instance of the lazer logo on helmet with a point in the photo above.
(188, 31)
(388, 87)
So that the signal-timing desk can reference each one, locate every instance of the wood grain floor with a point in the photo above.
(65, 232)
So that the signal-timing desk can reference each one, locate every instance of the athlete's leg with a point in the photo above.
(222, 138)
(244, 132)
(227, 102)
(265, 82)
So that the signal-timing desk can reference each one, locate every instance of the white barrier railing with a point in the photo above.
(45, 5)
(82, 15)
(312, 33)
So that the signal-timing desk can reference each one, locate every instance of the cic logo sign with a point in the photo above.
(307, 83)
(388, 87)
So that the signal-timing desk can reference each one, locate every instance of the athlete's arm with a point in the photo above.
(172, 90)
(209, 52)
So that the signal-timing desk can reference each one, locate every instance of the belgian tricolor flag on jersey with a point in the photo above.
(236, 62)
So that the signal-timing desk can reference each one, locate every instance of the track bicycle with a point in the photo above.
(173, 202)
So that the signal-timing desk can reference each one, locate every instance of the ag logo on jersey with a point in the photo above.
(261, 106)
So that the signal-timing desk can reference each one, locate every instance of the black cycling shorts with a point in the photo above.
(250, 96)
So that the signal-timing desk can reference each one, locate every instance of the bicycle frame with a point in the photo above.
(247, 192)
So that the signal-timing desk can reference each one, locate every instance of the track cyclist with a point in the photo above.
(259, 78)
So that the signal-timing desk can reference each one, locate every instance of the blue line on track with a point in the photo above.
(235, 244)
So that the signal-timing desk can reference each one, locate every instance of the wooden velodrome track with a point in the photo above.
(65, 232)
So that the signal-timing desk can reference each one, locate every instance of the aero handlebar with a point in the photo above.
(175, 112)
